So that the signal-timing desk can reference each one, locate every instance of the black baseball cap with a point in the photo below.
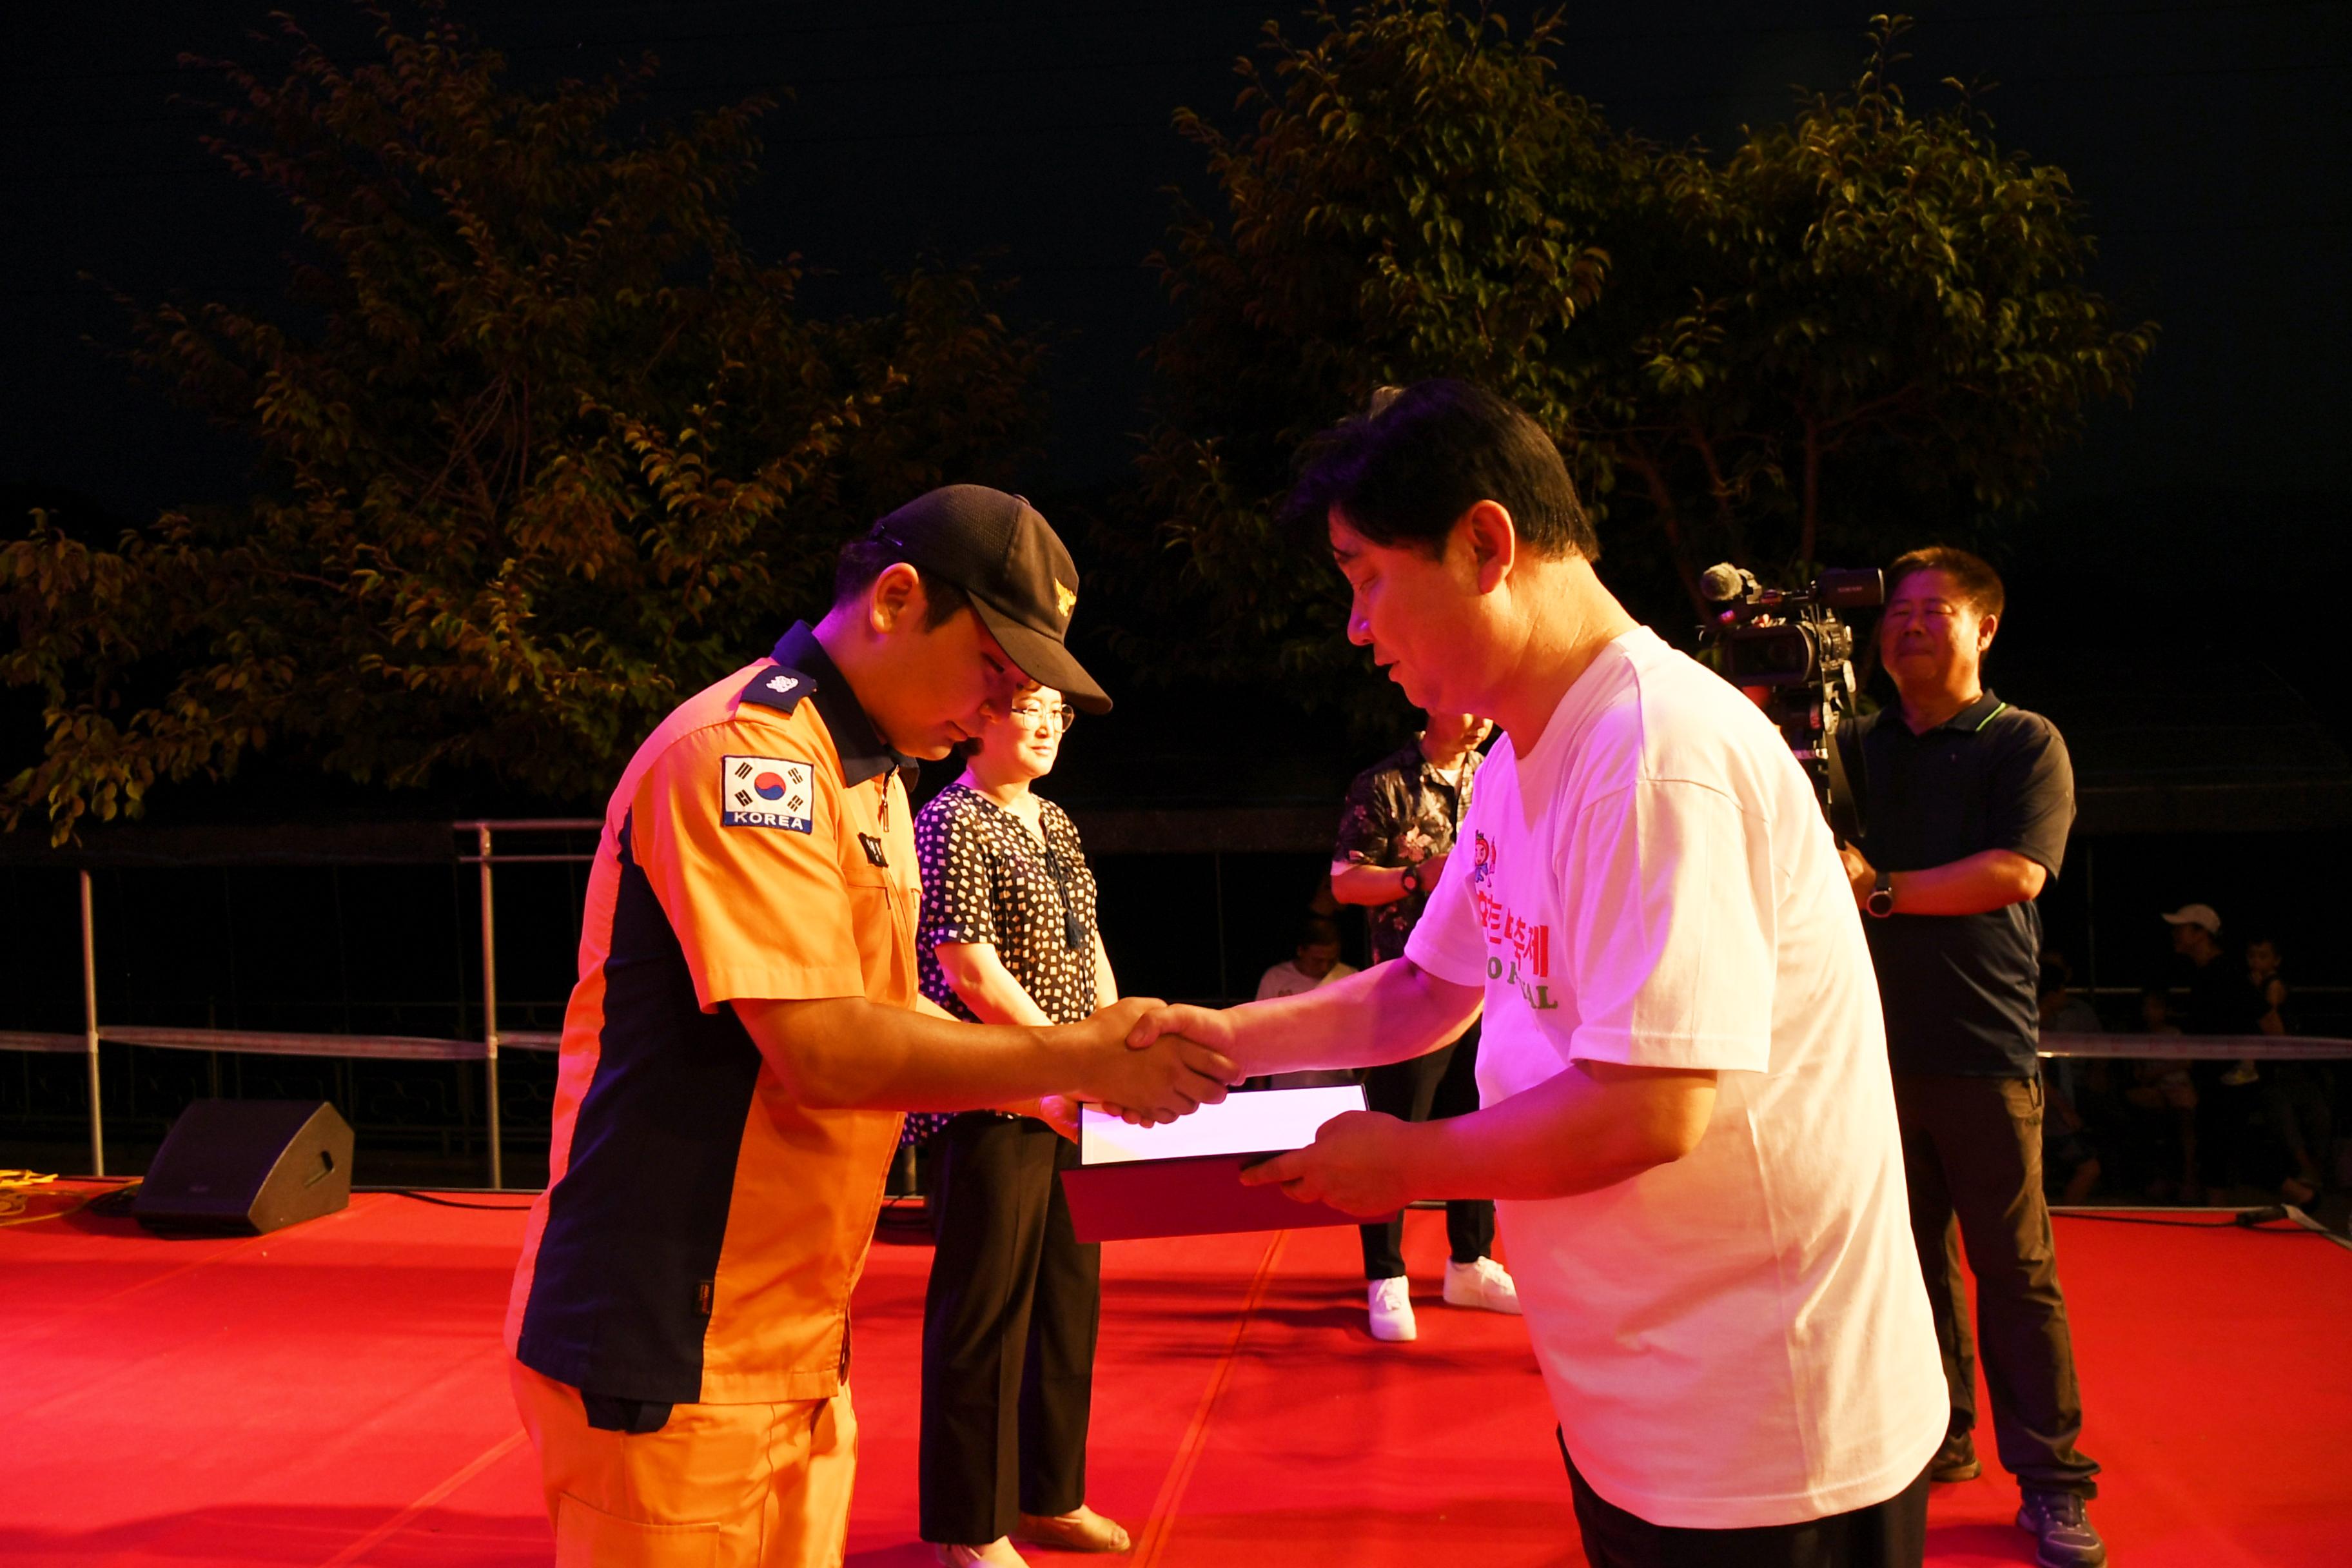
(1022, 584)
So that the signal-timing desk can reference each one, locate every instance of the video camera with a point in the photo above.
(1788, 644)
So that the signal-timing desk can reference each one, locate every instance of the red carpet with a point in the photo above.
(336, 1394)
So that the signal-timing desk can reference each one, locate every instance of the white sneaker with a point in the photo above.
(1484, 1283)
(1392, 1304)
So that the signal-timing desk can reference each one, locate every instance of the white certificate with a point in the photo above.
(1264, 1122)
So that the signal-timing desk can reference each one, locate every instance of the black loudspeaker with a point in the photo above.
(246, 1167)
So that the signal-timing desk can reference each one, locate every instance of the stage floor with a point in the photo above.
(336, 1393)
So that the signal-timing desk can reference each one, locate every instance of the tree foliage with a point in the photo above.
(541, 444)
(1859, 329)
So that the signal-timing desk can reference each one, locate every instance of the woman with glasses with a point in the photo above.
(1008, 936)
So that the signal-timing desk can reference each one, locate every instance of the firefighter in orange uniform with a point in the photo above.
(744, 1036)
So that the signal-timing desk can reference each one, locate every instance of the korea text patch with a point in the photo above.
(767, 792)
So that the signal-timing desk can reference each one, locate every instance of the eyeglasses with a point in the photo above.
(1029, 715)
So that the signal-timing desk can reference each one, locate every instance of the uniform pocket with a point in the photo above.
(588, 1537)
(883, 915)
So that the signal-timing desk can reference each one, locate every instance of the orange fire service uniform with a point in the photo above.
(679, 1321)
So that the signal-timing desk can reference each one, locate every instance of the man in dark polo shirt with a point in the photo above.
(1968, 801)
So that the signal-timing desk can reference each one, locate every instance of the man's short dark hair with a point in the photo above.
(866, 558)
(1406, 470)
(1316, 931)
(1979, 584)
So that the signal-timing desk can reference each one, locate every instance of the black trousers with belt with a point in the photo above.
(1972, 1159)
(1009, 1325)
(1442, 1083)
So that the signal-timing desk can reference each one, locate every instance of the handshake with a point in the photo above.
(1152, 1062)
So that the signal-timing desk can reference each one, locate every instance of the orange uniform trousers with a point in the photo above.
(720, 1486)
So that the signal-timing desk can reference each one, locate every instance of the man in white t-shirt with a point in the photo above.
(1687, 1117)
(1315, 962)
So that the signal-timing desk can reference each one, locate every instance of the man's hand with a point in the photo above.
(1429, 870)
(1859, 873)
(1207, 1025)
(1060, 1112)
(1155, 1079)
(1201, 1025)
(1356, 1165)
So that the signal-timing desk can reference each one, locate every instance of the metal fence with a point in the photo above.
(482, 838)
(477, 845)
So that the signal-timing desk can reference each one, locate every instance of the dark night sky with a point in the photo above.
(2212, 141)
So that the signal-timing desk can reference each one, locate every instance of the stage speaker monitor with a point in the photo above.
(246, 1167)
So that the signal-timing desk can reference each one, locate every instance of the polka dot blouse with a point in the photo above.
(987, 878)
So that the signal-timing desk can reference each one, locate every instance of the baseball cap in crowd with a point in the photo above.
(2195, 915)
(1022, 584)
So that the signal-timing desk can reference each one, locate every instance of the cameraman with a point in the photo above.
(1966, 802)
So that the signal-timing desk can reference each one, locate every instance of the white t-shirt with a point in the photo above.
(1285, 979)
(1740, 1337)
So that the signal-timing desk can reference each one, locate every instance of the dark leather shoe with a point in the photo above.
(2062, 1531)
(1956, 1461)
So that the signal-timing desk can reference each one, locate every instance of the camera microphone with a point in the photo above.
(1722, 584)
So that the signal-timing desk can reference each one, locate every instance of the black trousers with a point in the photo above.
(1428, 1089)
(1972, 1159)
(1890, 1534)
(1009, 1327)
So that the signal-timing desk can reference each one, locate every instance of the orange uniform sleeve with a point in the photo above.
(737, 829)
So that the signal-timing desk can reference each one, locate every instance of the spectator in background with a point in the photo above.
(2062, 1010)
(2301, 1114)
(1315, 962)
(2163, 1107)
(2231, 1112)
(1401, 815)
(2068, 1154)
(1007, 936)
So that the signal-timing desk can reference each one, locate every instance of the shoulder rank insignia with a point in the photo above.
(778, 686)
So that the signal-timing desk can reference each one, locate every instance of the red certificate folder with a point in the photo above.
(1184, 1179)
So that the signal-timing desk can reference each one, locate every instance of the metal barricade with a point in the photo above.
(480, 837)
(2195, 1047)
(395, 1047)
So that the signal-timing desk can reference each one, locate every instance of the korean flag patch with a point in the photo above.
(767, 792)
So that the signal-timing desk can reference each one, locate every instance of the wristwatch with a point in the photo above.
(1881, 901)
(1411, 883)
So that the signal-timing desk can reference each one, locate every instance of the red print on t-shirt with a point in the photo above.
(1524, 958)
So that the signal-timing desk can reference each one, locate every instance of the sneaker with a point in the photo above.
(1391, 1305)
(1956, 1461)
(2062, 1529)
(1484, 1283)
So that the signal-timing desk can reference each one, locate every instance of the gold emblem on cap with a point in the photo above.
(1067, 598)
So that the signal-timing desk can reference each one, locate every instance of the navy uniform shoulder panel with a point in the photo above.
(779, 687)
(620, 1297)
